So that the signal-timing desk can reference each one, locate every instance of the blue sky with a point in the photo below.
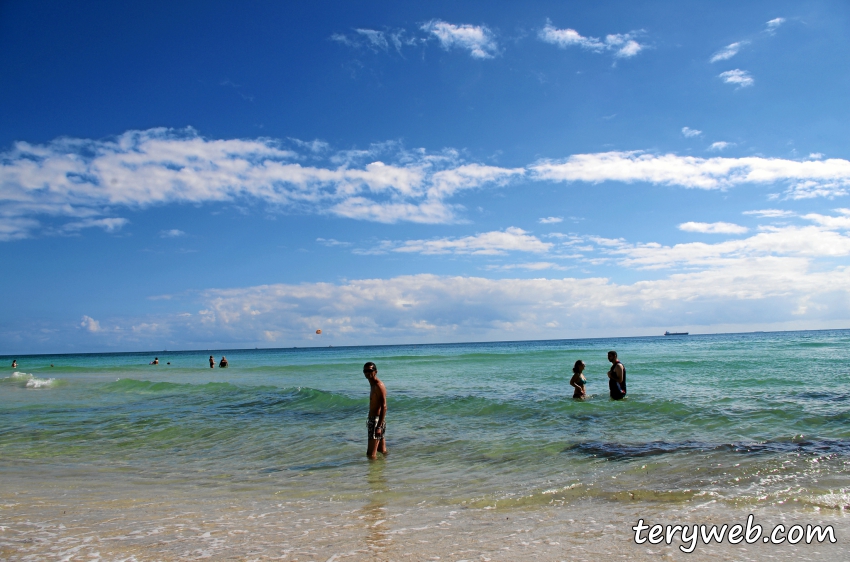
(242, 174)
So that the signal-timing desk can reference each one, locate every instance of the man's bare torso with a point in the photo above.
(377, 398)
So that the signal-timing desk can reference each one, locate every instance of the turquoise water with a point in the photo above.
(743, 419)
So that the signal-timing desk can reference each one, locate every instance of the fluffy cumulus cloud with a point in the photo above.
(477, 39)
(805, 179)
(713, 227)
(841, 222)
(74, 184)
(90, 324)
(689, 133)
(84, 180)
(728, 51)
(550, 220)
(740, 78)
(823, 240)
(622, 45)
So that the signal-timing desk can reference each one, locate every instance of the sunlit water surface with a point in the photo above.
(477, 433)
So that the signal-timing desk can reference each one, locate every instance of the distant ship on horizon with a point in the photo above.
(675, 333)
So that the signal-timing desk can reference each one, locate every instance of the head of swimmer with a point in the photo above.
(578, 367)
(612, 356)
(370, 371)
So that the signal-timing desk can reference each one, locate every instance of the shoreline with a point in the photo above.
(64, 520)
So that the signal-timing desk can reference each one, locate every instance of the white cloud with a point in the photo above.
(740, 77)
(332, 242)
(477, 39)
(107, 224)
(376, 39)
(720, 146)
(831, 223)
(713, 227)
(146, 327)
(550, 220)
(770, 213)
(497, 242)
(789, 277)
(806, 242)
(16, 228)
(315, 146)
(688, 132)
(173, 233)
(90, 324)
(775, 23)
(530, 266)
(83, 179)
(623, 45)
(830, 176)
(343, 39)
(435, 308)
(728, 51)
(810, 189)
(815, 156)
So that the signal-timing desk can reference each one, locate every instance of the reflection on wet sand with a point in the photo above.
(375, 511)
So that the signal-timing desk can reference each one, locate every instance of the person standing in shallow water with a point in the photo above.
(376, 424)
(616, 377)
(578, 381)
(212, 362)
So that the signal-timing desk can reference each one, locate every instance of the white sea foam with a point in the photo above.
(32, 381)
(839, 501)
(36, 382)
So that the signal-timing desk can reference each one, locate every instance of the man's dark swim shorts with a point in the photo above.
(372, 427)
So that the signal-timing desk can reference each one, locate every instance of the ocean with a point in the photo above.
(104, 456)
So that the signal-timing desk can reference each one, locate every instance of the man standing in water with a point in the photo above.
(377, 422)
(616, 377)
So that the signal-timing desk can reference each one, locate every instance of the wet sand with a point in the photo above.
(74, 520)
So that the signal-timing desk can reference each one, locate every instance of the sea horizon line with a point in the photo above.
(336, 347)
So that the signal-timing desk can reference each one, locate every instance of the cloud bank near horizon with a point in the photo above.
(432, 308)
(791, 276)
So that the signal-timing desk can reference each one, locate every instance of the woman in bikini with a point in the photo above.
(578, 381)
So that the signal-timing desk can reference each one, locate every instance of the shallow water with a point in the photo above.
(740, 422)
